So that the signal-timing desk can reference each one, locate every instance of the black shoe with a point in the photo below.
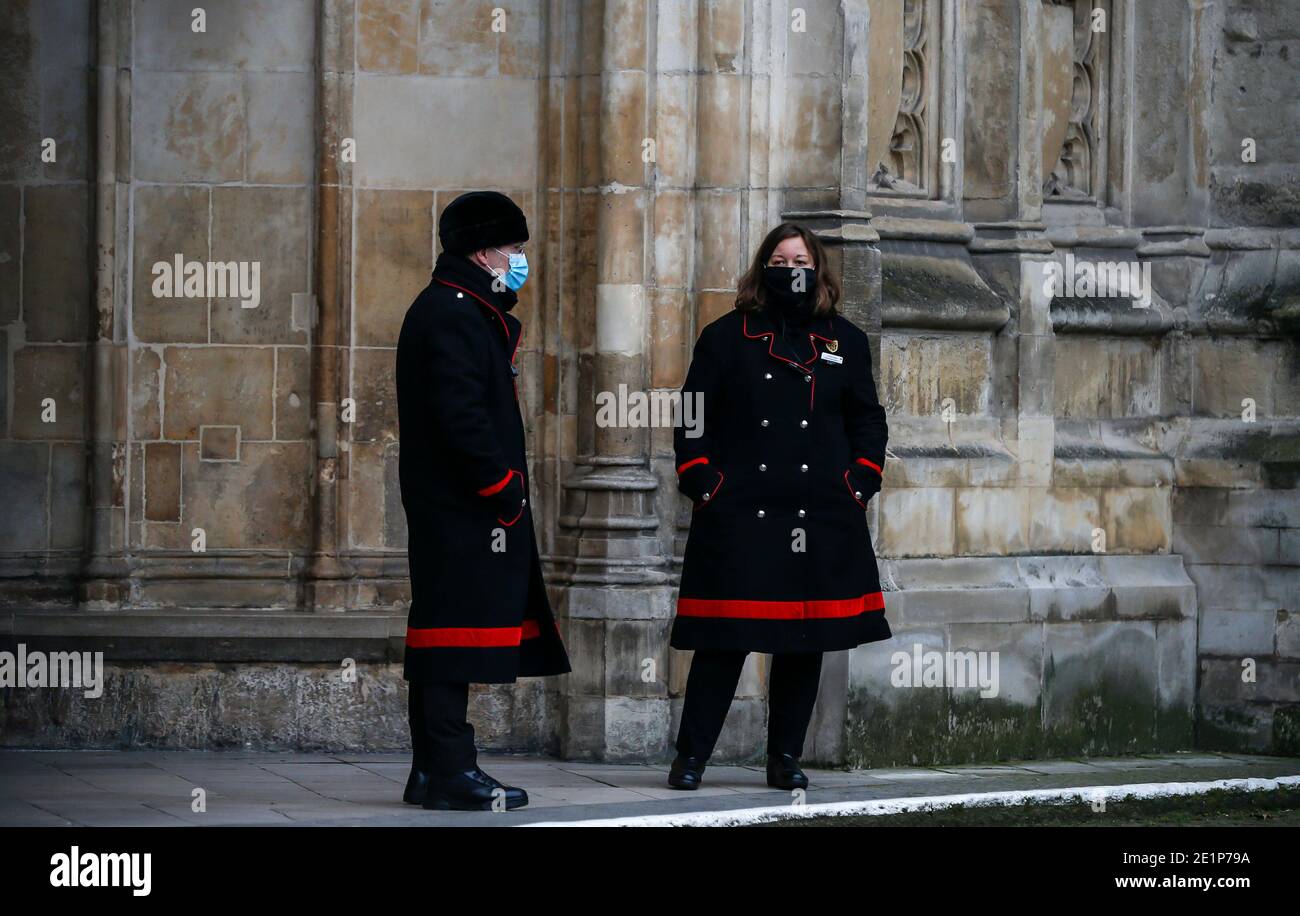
(416, 786)
(471, 790)
(783, 772)
(686, 773)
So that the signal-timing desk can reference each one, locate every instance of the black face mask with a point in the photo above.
(791, 289)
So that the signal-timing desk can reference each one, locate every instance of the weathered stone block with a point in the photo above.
(267, 227)
(1100, 687)
(260, 501)
(374, 387)
(293, 408)
(393, 260)
(146, 384)
(68, 495)
(1136, 520)
(56, 272)
(416, 152)
(188, 126)
(49, 392)
(992, 522)
(281, 109)
(932, 376)
(636, 664)
(916, 522)
(219, 443)
(169, 221)
(1227, 372)
(219, 386)
(10, 245)
(1237, 633)
(249, 35)
(162, 481)
(24, 481)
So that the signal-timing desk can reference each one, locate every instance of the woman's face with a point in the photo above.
(792, 252)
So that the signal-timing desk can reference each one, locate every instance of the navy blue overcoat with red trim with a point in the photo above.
(479, 610)
(779, 556)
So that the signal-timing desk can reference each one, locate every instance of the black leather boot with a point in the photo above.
(470, 790)
(686, 773)
(416, 786)
(783, 772)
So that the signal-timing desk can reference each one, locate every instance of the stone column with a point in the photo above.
(104, 583)
(325, 589)
(618, 594)
(1018, 89)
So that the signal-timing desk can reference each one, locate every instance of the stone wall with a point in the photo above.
(1096, 488)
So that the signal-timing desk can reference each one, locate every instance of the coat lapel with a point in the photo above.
(462, 274)
(755, 325)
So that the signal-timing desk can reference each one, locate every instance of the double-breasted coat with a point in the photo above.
(479, 610)
(779, 556)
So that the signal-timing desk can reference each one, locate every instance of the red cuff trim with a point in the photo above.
(499, 485)
(871, 464)
(693, 461)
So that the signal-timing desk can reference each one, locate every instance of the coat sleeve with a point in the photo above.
(455, 375)
(864, 417)
(701, 410)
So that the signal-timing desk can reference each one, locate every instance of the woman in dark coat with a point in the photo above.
(790, 449)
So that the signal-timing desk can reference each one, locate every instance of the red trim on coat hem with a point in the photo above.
(819, 608)
(685, 465)
(471, 637)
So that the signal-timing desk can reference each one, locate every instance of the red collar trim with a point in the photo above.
(771, 339)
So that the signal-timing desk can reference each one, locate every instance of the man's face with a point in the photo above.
(497, 260)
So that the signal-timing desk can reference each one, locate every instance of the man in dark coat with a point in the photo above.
(479, 610)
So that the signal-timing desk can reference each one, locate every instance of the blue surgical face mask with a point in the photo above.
(518, 272)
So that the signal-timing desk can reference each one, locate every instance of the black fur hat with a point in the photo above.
(481, 219)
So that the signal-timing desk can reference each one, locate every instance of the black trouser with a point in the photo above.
(711, 684)
(441, 736)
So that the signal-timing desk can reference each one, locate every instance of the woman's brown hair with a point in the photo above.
(750, 292)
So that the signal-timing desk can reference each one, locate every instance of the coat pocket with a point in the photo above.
(710, 496)
(859, 486)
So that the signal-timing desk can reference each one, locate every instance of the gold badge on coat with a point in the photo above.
(833, 346)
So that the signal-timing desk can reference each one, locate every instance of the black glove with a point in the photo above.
(700, 482)
(509, 500)
(863, 482)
